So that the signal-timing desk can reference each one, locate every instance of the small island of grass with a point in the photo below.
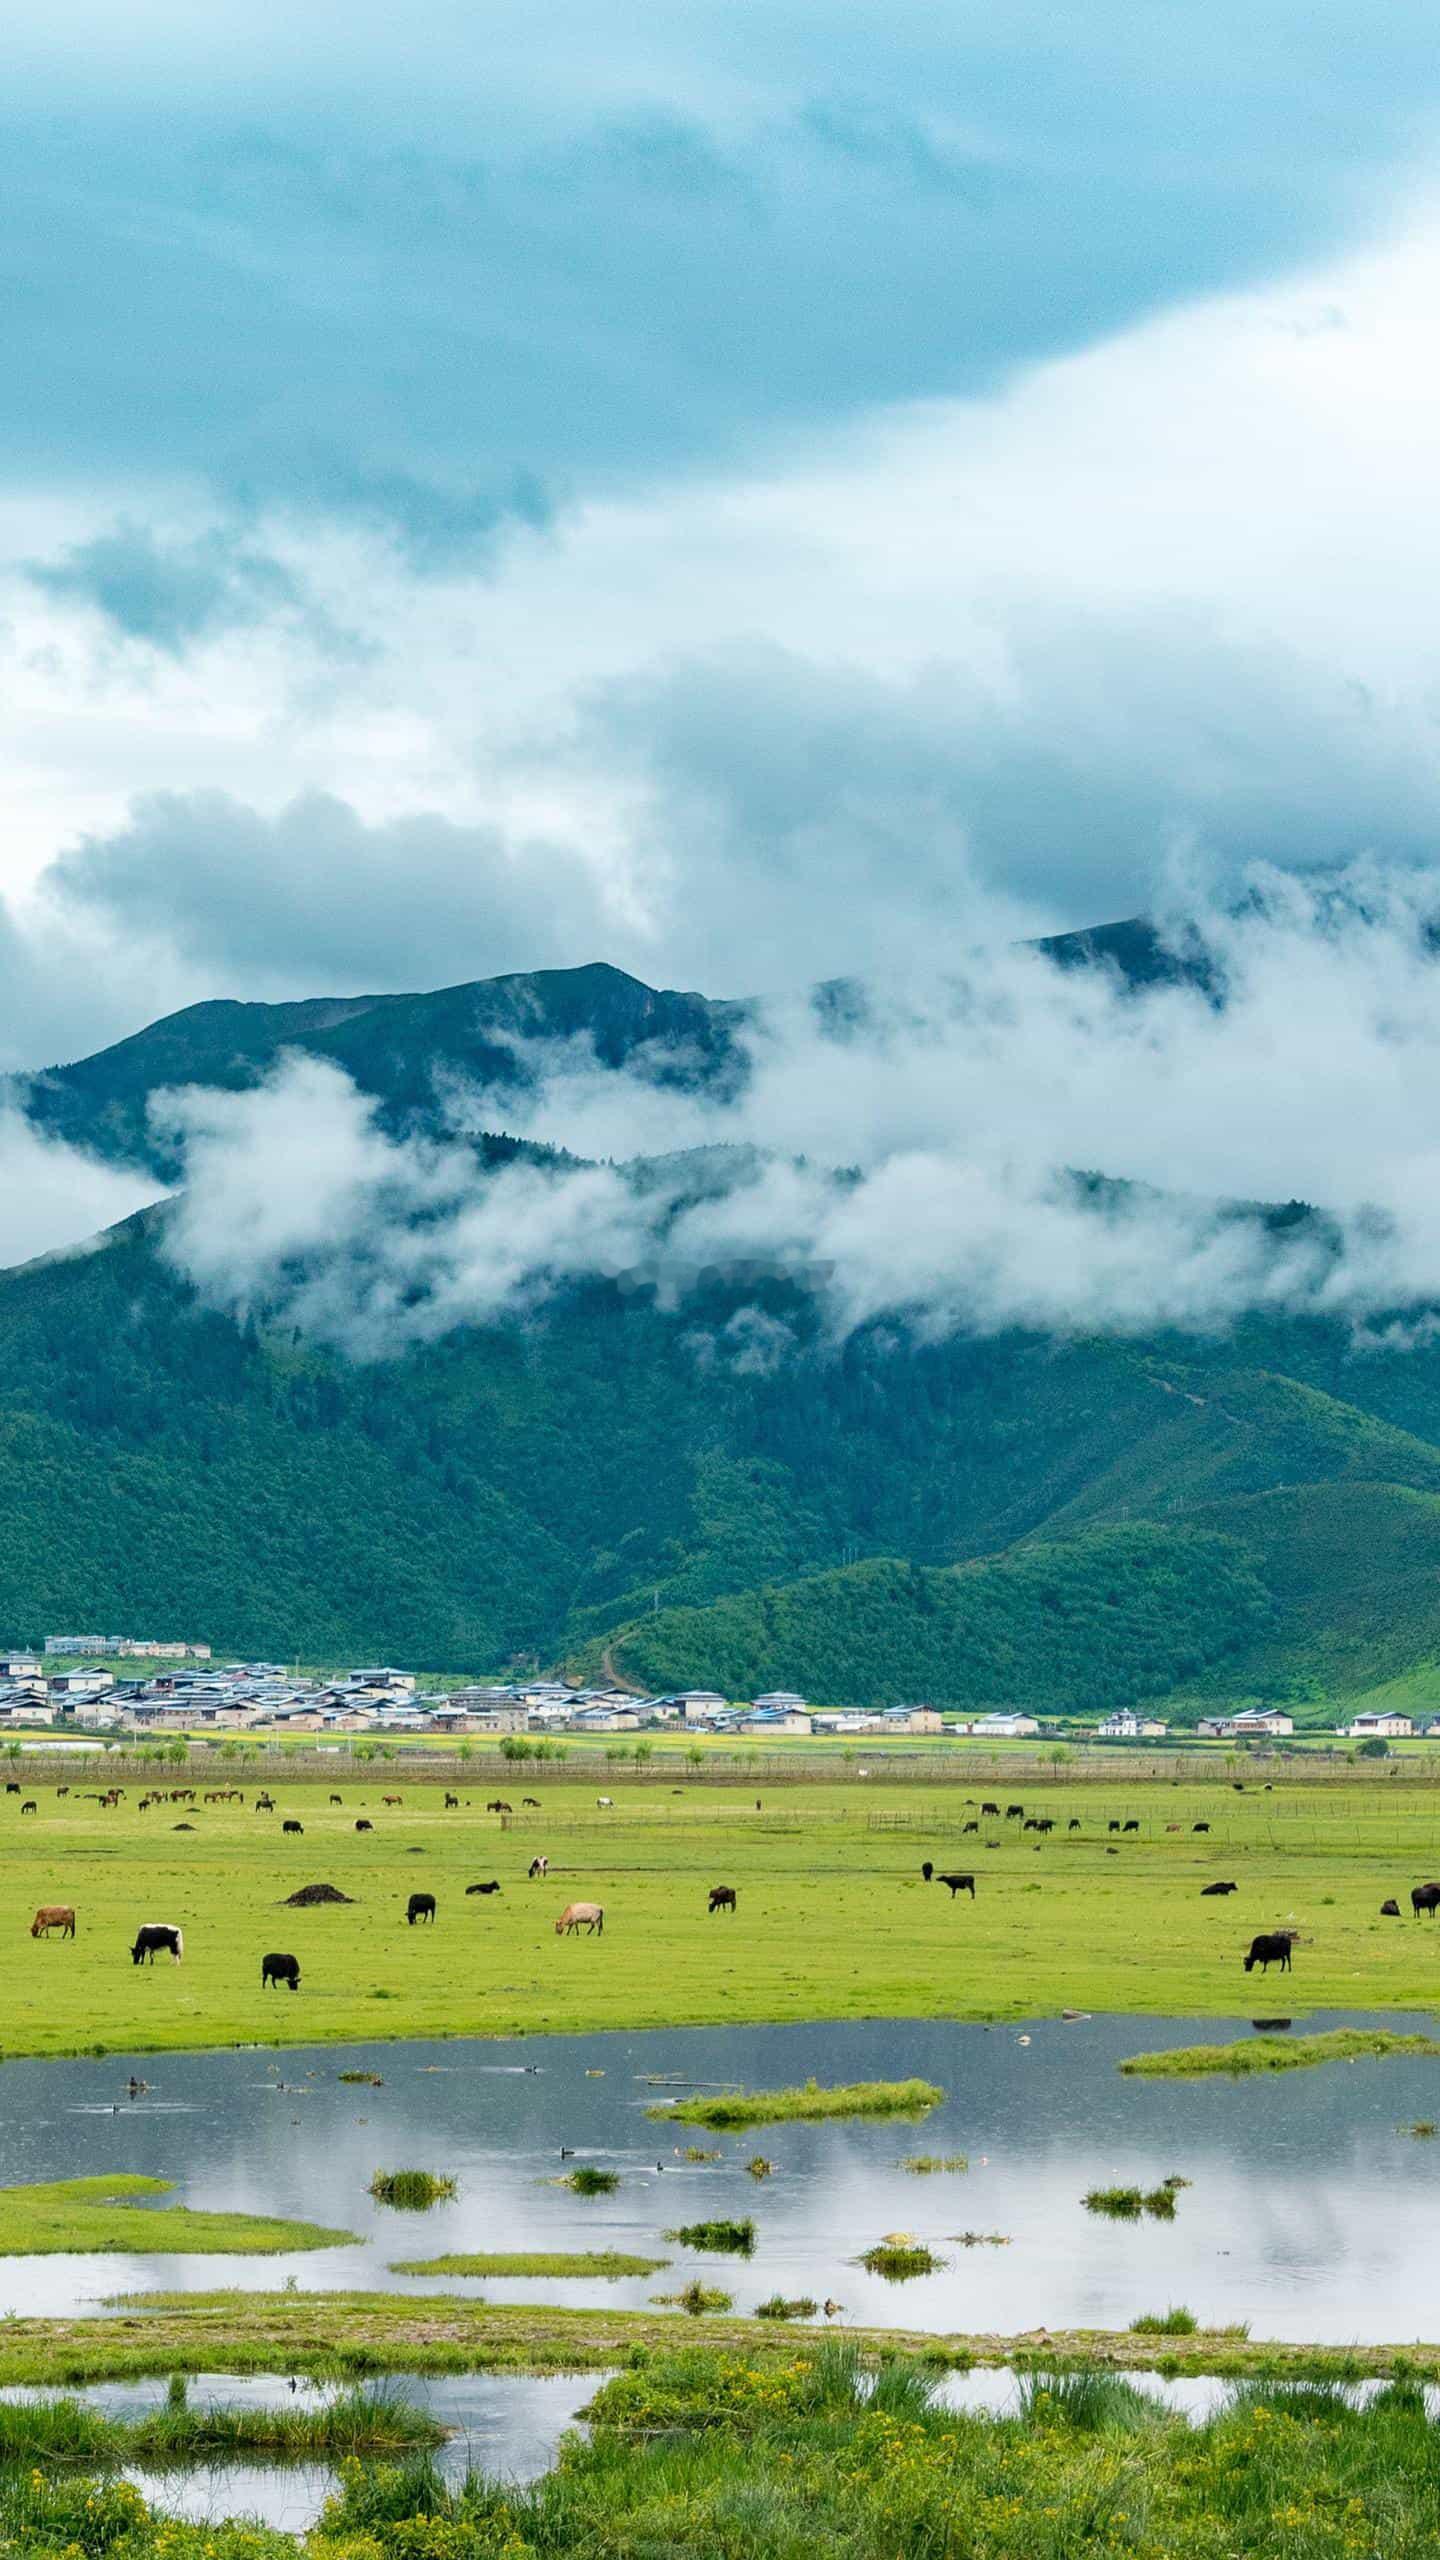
(601, 2264)
(93, 2214)
(740, 2107)
(1275, 2053)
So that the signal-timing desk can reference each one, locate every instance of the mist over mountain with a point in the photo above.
(414, 1364)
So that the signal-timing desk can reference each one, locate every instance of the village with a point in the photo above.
(81, 1684)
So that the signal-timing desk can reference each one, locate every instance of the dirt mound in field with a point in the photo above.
(309, 1893)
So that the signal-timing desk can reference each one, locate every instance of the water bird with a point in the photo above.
(564, 2154)
(1022, 2039)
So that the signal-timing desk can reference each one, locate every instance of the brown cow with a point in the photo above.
(53, 1915)
(581, 1915)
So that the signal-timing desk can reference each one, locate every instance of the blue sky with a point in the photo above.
(739, 492)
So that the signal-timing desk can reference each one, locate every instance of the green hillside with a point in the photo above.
(1010, 1520)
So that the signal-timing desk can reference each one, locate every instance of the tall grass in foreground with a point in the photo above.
(71, 2432)
(808, 2105)
(705, 2455)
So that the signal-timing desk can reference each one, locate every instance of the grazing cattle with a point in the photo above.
(1199, 1826)
(1013, 1812)
(1046, 1823)
(152, 1937)
(723, 1897)
(1172, 1826)
(491, 1887)
(968, 1826)
(452, 1803)
(53, 1915)
(284, 1969)
(297, 1827)
(1424, 1897)
(1030, 1823)
(987, 1807)
(363, 1825)
(12, 1786)
(605, 1804)
(337, 1799)
(1217, 1888)
(539, 1867)
(1130, 1826)
(392, 1799)
(957, 1884)
(62, 1791)
(1112, 1826)
(1271, 1947)
(1074, 1823)
(1389, 1910)
(532, 1803)
(30, 1805)
(581, 1915)
(421, 1906)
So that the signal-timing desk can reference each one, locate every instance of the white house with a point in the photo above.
(1125, 1726)
(1370, 1723)
(1004, 1728)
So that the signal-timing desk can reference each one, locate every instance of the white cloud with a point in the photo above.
(962, 1121)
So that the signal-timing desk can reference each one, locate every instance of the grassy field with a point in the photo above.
(833, 1918)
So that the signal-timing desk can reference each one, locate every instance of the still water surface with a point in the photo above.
(1310, 2213)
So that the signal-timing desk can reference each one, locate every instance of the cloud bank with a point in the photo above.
(1024, 1147)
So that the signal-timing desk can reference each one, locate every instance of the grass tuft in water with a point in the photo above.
(737, 2239)
(930, 2164)
(1177, 2322)
(808, 2105)
(589, 2181)
(777, 2306)
(1276, 2053)
(759, 2167)
(411, 2190)
(599, 2265)
(898, 2258)
(696, 2297)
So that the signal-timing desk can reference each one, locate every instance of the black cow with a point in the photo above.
(1424, 1897)
(988, 1807)
(297, 1827)
(421, 1906)
(1014, 1812)
(1271, 1947)
(1217, 1888)
(534, 1802)
(284, 1969)
(363, 1825)
(337, 1799)
(1199, 1826)
(723, 1897)
(151, 1938)
(1046, 1823)
(1130, 1826)
(492, 1887)
(1112, 1826)
(1074, 1823)
(452, 1803)
(12, 1786)
(968, 1826)
(1389, 1910)
(958, 1884)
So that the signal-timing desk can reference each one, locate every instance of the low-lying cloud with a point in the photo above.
(1021, 1146)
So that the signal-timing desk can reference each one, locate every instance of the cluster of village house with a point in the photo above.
(190, 1693)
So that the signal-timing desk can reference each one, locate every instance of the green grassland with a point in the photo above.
(82, 2214)
(833, 1919)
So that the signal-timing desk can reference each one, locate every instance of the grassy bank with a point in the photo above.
(356, 2334)
(601, 2264)
(355, 2424)
(1054, 1925)
(1275, 2053)
(702, 2455)
(85, 2214)
(808, 2105)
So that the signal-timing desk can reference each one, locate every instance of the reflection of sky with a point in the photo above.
(1309, 2214)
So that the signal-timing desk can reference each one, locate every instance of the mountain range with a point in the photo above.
(1067, 1524)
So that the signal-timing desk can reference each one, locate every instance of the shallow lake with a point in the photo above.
(1310, 2215)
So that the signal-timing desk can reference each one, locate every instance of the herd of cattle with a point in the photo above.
(161, 1937)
